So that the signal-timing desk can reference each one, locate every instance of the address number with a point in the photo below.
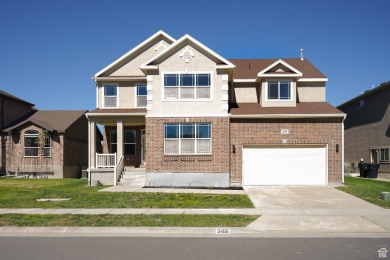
(222, 231)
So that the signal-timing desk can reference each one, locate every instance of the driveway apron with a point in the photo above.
(314, 209)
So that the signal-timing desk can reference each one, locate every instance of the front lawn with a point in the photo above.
(23, 193)
(366, 189)
(67, 220)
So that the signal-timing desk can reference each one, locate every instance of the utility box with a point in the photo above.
(385, 196)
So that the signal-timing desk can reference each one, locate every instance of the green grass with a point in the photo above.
(22, 193)
(20, 220)
(368, 190)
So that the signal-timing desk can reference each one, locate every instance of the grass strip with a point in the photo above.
(23, 193)
(367, 189)
(68, 220)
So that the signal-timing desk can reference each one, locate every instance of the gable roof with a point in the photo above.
(51, 120)
(9, 96)
(381, 87)
(187, 38)
(249, 68)
(135, 49)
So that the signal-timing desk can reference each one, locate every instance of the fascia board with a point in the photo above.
(280, 61)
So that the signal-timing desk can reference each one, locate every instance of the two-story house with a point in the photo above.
(193, 118)
(367, 128)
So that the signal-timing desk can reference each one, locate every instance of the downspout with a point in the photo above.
(342, 151)
(89, 152)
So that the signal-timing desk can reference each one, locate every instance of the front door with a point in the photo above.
(143, 150)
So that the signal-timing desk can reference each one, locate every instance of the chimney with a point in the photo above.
(301, 54)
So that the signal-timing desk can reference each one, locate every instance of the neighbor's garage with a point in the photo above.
(284, 165)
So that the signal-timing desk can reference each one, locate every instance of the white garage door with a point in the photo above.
(298, 165)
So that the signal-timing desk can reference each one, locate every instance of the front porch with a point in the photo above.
(123, 143)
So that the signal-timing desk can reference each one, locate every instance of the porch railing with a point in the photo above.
(105, 160)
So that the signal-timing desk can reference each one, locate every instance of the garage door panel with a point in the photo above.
(284, 166)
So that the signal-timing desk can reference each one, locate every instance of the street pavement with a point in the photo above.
(293, 211)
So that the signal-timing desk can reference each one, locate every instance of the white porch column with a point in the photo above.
(119, 141)
(92, 144)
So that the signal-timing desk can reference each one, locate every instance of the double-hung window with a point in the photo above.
(110, 96)
(187, 138)
(384, 155)
(279, 90)
(187, 86)
(129, 142)
(33, 145)
(141, 95)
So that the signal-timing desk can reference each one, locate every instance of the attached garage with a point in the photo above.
(284, 165)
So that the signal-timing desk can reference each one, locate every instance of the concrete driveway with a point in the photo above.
(314, 209)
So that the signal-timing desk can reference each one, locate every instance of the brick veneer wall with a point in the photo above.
(218, 161)
(301, 131)
(130, 160)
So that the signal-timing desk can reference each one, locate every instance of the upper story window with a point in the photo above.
(141, 95)
(187, 138)
(187, 86)
(110, 96)
(33, 144)
(279, 90)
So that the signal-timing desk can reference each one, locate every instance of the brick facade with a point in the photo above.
(217, 162)
(301, 131)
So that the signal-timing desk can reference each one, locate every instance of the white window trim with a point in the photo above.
(186, 99)
(117, 94)
(280, 100)
(49, 147)
(40, 153)
(187, 154)
(136, 95)
(380, 153)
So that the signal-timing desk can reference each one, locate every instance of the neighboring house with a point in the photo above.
(193, 118)
(12, 109)
(53, 143)
(367, 127)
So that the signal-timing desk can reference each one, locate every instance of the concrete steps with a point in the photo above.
(133, 177)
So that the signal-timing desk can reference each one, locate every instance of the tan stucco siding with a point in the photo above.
(311, 92)
(131, 68)
(246, 93)
(277, 103)
(198, 64)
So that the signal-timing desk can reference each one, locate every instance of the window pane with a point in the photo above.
(203, 92)
(203, 79)
(113, 148)
(187, 92)
(273, 92)
(384, 155)
(284, 90)
(110, 90)
(31, 141)
(47, 141)
(204, 146)
(141, 90)
(171, 93)
(129, 136)
(187, 131)
(46, 152)
(129, 149)
(186, 79)
(203, 131)
(171, 131)
(171, 146)
(187, 146)
(113, 136)
(170, 80)
(30, 151)
(110, 101)
(141, 101)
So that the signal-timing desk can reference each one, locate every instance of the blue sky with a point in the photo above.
(50, 49)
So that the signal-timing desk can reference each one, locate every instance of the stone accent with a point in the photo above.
(301, 131)
(217, 162)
